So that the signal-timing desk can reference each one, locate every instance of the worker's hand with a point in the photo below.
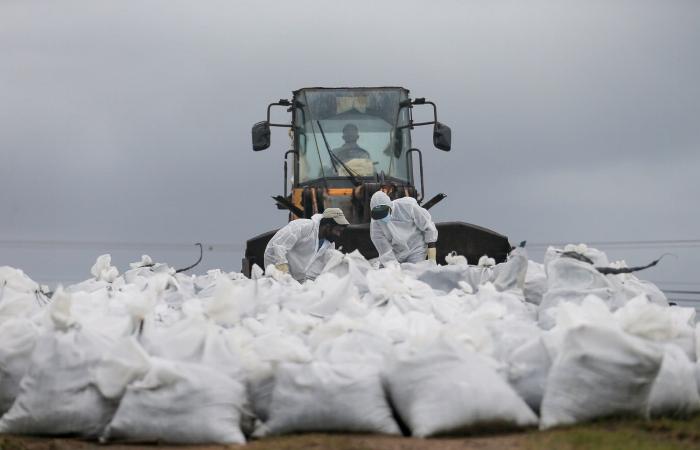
(432, 254)
(284, 267)
(393, 264)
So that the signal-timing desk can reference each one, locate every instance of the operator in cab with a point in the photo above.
(356, 158)
(299, 248)
(401, 230)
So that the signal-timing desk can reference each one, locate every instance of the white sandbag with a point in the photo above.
(512, 301)
(62, 369)
(16, 280)
(645, 319)
(338, 339)
(353, 264)
(335, 294)
(504, 276)
(181, 341)
(535, 282)
(19, 303)
(449, 308)
(511, 274)
(289, 321)
(103, 270)
(18, 337)
(507, 335)
(674, 325)
(570, 281)
(323, 396)
(192, 339)
(58, 393)
(599, 371)
(415, 328)
(103, 311)
(231, 300)
(631, 287)
(438, 389)
(357, 347)
(126, 362)
(180, 403)
(599, 258)
(528, 368)
(591, 311)
(392, 284)
(260, 359)
(447, 278)
(341, 332)
(675, 392)
(684, 330)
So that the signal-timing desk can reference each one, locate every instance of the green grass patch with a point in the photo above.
(616, 434)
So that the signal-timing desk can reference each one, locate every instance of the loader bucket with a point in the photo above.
(471, 241)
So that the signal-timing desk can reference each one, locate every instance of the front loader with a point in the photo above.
(347, 144)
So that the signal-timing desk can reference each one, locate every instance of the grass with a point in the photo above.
(616, 434)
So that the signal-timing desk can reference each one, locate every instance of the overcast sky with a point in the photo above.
(129, 121)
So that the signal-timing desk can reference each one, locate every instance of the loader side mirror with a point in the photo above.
(442, 137)
(261, 136)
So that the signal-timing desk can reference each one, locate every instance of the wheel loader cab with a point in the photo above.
(348, 143)
(339, 133)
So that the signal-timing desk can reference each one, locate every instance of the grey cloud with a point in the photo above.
(130, 121)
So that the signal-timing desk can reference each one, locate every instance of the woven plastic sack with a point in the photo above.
(323, 396)
(439, 389)
(181, 403)
(599, 371)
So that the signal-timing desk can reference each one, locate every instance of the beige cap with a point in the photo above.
(335, 214)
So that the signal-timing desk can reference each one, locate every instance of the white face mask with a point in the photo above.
(386, 219)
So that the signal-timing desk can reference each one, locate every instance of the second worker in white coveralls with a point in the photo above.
(401, 230)
(299, 248)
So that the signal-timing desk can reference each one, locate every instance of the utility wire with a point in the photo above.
(237, 247)
(673, 291)
(676, 283)
(117, 245)
(644, 244)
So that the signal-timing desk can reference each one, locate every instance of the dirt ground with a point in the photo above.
(611, 434)
(296, 442)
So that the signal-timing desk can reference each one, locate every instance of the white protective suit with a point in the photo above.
(296, 244)
(405, 237)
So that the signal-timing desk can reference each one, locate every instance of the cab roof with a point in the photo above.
(355, 88)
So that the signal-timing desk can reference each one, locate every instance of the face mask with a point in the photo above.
(386, 219)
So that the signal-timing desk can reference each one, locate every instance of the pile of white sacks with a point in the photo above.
(151, 355)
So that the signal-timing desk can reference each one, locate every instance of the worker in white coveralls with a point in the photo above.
(401, 230)
(299, 248)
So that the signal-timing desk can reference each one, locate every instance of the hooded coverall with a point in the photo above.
(405, 237)
(297, 245)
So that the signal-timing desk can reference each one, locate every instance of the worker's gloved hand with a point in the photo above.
(393, 264)
(284, 267)
(432, 254)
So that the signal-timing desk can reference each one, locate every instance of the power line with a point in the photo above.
(672, 291)
(116, 245)
(643, 243)
(676, 283)
(237, 247)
